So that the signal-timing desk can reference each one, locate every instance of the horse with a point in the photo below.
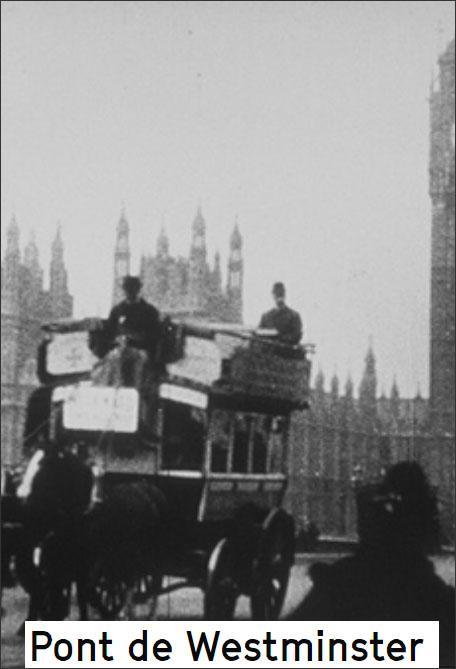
(110, 548)
(55, 494)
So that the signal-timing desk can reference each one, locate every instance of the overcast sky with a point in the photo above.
(307, 120)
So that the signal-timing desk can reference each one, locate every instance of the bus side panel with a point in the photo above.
(182, 493)
(223, 497)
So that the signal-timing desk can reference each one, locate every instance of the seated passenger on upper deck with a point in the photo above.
(138, 322)
(134, 318)
(286, 321)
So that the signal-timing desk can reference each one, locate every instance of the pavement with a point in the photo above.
(185, 604)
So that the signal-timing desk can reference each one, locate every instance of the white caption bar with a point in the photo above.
(241, 644)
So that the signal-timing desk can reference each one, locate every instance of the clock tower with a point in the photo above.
(442, 193)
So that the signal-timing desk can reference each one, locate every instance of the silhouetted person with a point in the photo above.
(134, 318)
(389, 577)
(132, 332)
(286, 321)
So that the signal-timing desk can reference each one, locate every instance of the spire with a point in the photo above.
(61, 301)
(395, 401)
(335, 387)
(31, 250)
(121, 255)
(162, 243)
(236, 237)
(368, 387)
(123, 217)
(10, 269)
(394, 395)
(199, 230)
(32, 261)
(320, 382)
(12, 240)
(217, 272)
(349, 388)
(235, 274)
(198, 269)
(57, 244)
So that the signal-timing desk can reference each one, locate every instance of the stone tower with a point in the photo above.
(10, 304)
(198, 269)
(235, 275)
(25, 307)
(121, 257)
(441, 177)
(368, 391)
(11, 328)
(61, 300)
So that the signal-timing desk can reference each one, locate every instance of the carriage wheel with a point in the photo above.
(113, 598)
(272, 566)
(108, 592)
(143, 597)
(222, 589)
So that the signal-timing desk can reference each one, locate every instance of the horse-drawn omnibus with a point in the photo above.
(192, 460)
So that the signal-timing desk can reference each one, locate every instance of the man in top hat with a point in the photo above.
(281, 318)
(132, 338)
(134, 318)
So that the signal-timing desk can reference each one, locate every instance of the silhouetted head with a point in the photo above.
(131, 286)
(408, 480)
(401, 512)
(278, 293)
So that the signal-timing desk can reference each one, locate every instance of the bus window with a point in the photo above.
(260, 445)
(220, 441)
(183, 437)
(277, 445)
(241, 438)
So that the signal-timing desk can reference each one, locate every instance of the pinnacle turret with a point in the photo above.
(236, 237)
(368, 388)
(12, 238)
(162, 243)
(349, 387)
(198, 268)
(121, 255)
(335, 386)
(32, 263)
(319, 384)
(217, 272)
(61, 301)
(235, 274)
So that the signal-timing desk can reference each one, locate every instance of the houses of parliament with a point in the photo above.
(185, 285)
(343, 436)
(191, 286)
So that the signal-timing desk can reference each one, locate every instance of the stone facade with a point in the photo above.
(344, 440)
(441, 189)
(25, 305)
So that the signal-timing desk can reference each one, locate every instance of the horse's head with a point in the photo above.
(56, 487)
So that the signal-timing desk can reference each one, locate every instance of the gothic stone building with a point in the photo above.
(25, 305)
(185, 285)
(442, 254)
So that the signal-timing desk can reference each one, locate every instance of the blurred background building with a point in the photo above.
(25, 305)
(346, 437)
